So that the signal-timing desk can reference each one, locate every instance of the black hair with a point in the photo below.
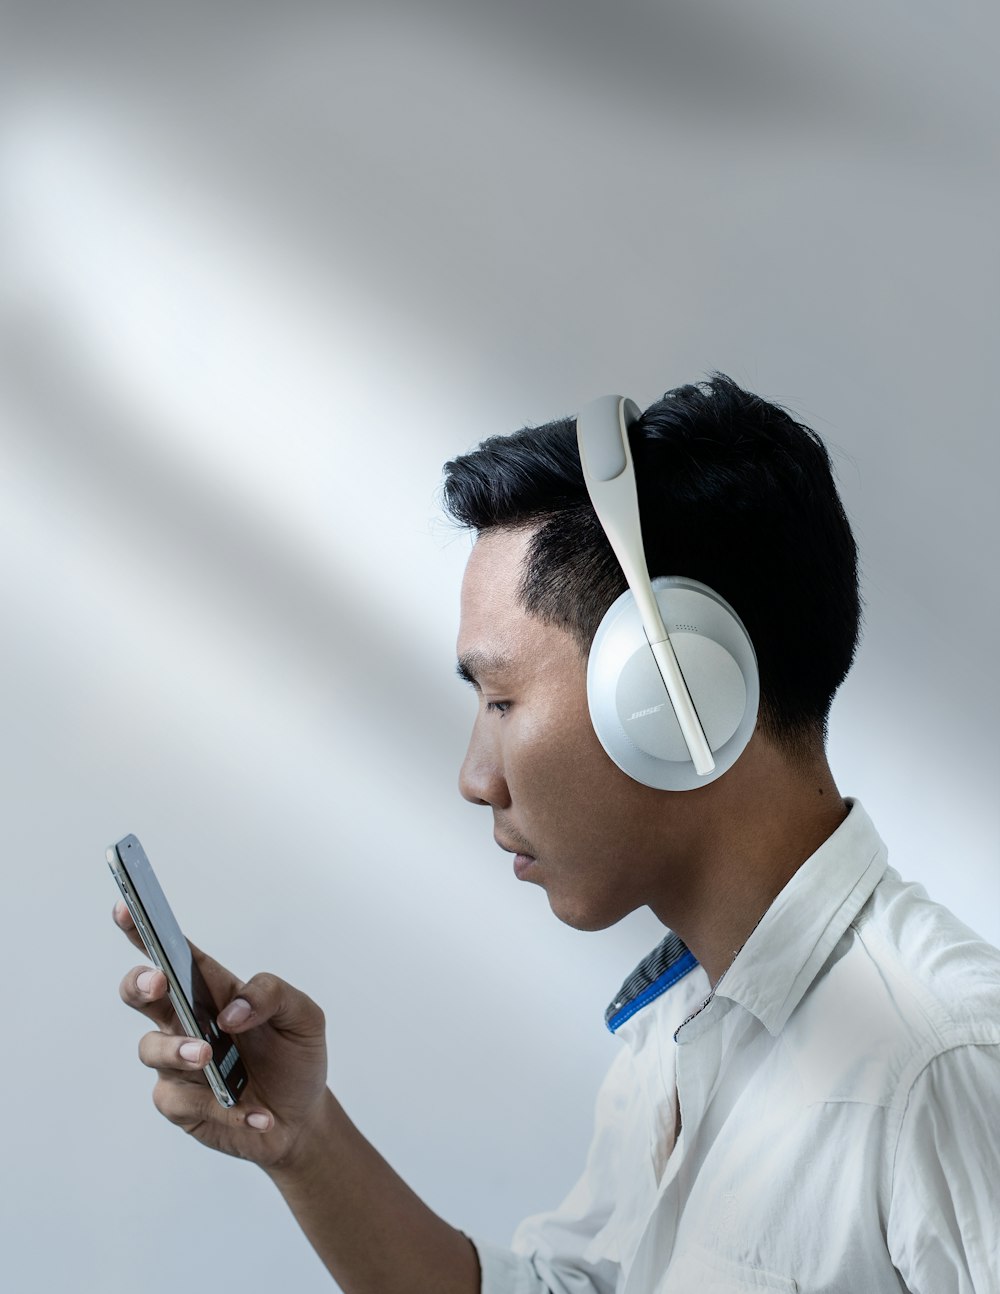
(733, 492)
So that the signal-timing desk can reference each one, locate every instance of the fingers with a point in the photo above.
(181, 1094)
(123, 920)
(145, 990)
(268, 998)
(167, 1051)
(221, 982)
(189, 1106)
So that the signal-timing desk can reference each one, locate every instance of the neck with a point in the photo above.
(751, 832)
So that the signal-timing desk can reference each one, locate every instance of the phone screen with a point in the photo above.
(156, 915)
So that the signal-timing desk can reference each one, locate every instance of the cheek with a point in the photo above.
(558, 772)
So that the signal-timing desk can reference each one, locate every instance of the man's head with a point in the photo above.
(732, 492)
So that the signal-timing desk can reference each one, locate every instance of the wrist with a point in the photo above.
(311, 1147)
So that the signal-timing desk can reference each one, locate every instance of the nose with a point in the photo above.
(481, 779)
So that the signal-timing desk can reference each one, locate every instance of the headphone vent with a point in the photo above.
(692, 629)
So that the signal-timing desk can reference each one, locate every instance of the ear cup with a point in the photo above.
(629, 706)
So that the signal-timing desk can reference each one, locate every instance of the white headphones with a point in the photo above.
(672, 678)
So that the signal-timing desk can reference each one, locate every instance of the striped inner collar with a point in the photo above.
(669, 962)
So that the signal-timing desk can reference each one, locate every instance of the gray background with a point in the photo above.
(261, 273)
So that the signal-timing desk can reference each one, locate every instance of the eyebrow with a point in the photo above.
(475, 665)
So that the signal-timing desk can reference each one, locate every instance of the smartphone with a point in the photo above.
(170, 953)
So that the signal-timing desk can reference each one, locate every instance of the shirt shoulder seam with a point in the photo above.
(918, 1067)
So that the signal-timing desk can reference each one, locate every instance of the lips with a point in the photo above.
(513, 849)
(523, 863)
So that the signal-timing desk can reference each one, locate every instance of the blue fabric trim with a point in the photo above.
(670, 976)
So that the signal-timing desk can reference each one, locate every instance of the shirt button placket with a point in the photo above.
(697, 1061)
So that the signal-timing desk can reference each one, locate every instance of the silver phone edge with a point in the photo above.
(162, 963)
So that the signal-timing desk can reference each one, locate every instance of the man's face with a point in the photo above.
(589, 835)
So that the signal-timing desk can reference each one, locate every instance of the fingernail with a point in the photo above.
(191, 1050)
(259, 1121)
(235, 1013)
(144, 982)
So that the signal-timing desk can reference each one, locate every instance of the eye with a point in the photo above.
(499, 707)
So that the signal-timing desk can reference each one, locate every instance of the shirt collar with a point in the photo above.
(797, 933)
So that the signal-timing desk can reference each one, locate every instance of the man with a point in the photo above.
(808, 1091)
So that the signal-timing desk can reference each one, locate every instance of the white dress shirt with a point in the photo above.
(838, 1103)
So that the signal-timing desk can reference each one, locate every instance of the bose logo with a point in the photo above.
(652, 710)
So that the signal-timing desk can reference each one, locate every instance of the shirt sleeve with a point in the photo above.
(943, 1229)
(561, 1252)
(504, 1272)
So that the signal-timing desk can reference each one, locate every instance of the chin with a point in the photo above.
(582, 916)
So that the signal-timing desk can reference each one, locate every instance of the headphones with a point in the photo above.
(672, 679)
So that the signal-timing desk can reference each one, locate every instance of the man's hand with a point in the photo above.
(281, 1035)
(374, 1235)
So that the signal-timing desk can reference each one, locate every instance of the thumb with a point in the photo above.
(268, 999)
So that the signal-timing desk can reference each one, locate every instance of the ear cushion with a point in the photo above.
(629, 706)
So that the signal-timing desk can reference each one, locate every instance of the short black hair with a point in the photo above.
(733, 492)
